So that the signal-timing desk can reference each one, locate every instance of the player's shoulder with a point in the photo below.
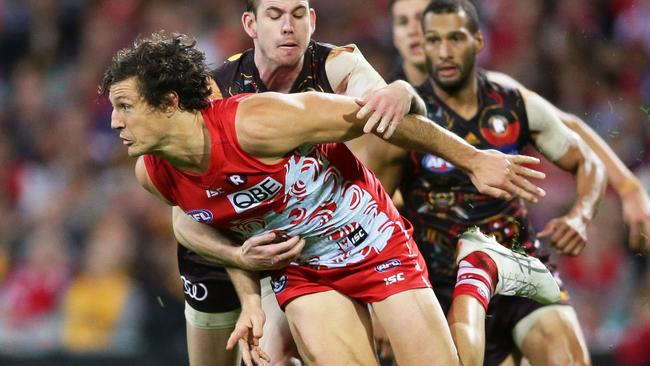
(230, 65)
(503, 80)
(346, 53)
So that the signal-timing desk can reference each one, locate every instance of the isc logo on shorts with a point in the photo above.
(255, 195)
(394, 278)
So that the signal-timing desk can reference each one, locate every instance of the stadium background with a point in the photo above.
(87, 259)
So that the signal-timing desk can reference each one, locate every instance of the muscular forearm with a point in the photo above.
(620, 177)
(247, 286)
(205, 240)
(419, 134)
(591, 180)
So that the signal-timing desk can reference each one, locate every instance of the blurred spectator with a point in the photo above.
(30, 295)
(102, 309)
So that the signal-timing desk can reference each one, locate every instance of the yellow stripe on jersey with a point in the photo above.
(234, 57)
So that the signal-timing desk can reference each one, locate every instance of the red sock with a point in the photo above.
(477, 277)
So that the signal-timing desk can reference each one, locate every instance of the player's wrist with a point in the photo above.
(239, 259)
(629, 185)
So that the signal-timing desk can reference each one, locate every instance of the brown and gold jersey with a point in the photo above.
(240, 75)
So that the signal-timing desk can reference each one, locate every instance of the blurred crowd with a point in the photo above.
(87, 258)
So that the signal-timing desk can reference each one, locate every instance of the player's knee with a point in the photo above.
(552, 333)
(202, 320)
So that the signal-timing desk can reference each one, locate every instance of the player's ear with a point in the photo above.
(480, 41)
(170, 103)
(249, 21)
(312, 20)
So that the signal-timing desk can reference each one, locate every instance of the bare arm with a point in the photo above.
(635, 200)
(569, 232)
(250, 324)
(270, 125)
(256, 254)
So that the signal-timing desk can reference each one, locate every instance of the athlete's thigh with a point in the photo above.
(277, 341)
(207, 347)
(554, 338)
(417, 328)
(331, 329)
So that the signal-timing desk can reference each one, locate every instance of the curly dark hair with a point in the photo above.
(454, 6)
(163, 63)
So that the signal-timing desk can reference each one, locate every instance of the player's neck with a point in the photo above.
(277, 78)
(416, 74)
(187, 145)
(464, 101)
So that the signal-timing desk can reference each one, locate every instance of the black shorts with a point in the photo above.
(504, 312)
(207, 286)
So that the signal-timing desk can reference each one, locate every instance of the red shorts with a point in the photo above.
(397, 268)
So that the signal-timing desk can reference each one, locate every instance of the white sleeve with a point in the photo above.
(554, 138)
(503, 79)
(349, 73)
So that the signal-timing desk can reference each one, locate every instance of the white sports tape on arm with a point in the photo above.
(554, 137)
(347, 65)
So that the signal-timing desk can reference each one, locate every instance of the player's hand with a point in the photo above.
(568, 234)
(264, 252)
(248, 332)
(386, 107)
(504, 176)
(636, 213)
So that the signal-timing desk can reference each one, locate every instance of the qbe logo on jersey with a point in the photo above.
(254, 196)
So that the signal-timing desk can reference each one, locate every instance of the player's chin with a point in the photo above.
(290, 57)
(134, 151)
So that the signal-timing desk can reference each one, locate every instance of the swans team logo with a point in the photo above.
(201, 215)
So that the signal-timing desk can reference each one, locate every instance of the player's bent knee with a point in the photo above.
(202, 320)
(551, 335)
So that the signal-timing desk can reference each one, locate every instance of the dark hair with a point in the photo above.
(390, 6)
(454, 6)
(251, 6)
(161, 64)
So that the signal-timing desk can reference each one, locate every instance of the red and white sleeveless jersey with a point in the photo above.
(320, 192)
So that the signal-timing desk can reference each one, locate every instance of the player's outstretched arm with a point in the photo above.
(250, 324)
(270, 125)
(635, 200)
(569, 232)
